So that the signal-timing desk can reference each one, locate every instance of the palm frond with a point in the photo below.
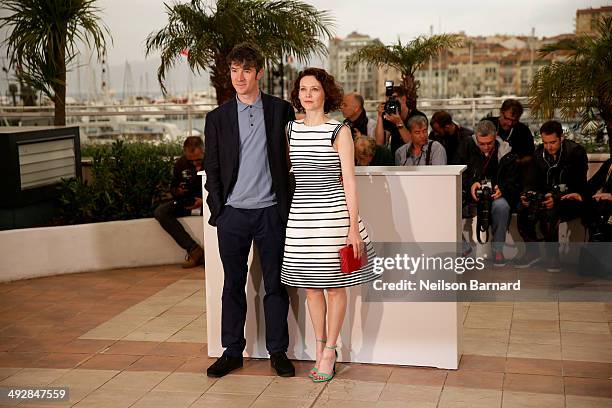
(376, 54)
(44, 38)
(278, 27)
(579, 85)
(406, 58)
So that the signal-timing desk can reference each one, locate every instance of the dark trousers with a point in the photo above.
(549, 220)
(597, 216)
(236, 230)
(166, 214)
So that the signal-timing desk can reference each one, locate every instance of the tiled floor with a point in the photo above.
(136, 338)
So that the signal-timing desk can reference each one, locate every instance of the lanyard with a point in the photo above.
(507, 139)
(488, 160)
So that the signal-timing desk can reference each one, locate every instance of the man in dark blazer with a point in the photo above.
(247, 179)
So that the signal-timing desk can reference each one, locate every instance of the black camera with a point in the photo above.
(558, 191)
(392, 105)
(535, 203)
(187, 199)
(483, 209)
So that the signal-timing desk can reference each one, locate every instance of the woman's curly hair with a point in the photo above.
(333, 92)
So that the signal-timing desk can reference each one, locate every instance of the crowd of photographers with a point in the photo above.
(506, 173)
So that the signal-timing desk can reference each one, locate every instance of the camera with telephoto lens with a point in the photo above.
(483, 209)
(392, 105)
(188, 198)
(535, 203)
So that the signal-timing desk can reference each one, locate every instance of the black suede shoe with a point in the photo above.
(282, 364)
(224, 365)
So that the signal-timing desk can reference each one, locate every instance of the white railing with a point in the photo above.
(471, 107)
(155, 122)
(466, 111)
(167, 121)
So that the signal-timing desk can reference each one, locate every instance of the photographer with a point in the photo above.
(553, 192)
(392, 124)
(490, 182)
(419, 151)
(448, 133)
(355, 116)
(598, 215)
(510, 129)
(186, 190)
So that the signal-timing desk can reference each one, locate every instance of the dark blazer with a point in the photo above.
(222, 146)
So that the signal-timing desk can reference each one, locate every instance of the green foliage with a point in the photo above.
(44, 38)
(129, 181)
(406, 58)
(278, 27)
(579, 84)
(167, 149)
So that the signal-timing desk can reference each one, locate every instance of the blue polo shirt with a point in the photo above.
(253, 188)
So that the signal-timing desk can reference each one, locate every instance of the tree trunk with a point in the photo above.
(221, 80)
(60, 105)
(411, 90)
(59, 87)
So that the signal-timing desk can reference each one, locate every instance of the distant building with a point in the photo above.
(586, 19)
(485, 66)
(360, 77)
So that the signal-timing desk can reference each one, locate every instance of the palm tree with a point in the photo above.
(406, 58)
(579, 84)
(44, 40)
(278, 27)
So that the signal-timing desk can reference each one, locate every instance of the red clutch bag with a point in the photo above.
(348, 262)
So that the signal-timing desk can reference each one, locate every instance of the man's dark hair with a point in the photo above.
(552, 127)
(246, 54)
(192, 143)
(401, 91)
(512, 105)
(359, 99)
(442, 118)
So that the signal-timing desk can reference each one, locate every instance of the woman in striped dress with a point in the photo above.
(324, 213)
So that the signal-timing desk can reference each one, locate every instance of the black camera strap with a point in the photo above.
(479, 230)
(485, 166)
(428, 154)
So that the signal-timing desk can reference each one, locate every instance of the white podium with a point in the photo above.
(397, 204)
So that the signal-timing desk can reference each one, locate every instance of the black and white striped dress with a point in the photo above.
(318, 220)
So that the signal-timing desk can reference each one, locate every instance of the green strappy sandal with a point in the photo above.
(324, 376)
(313, 370)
